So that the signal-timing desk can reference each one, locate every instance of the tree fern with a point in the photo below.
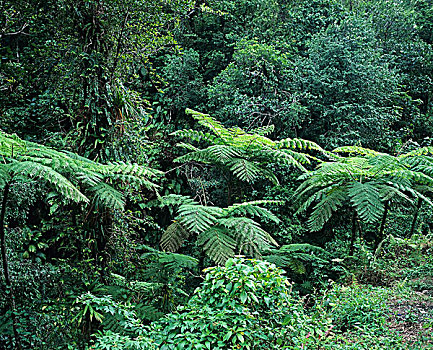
(244, 154)
(217, 244)
(294, 256)
(49, 175)
(365, 198)
(332, 199)
(221, 232)
(73, 176)
(364, 180)
(173, 237)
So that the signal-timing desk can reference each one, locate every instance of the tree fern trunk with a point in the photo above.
(6, 267)
(380, 235)
(352, 239)
(415, 216)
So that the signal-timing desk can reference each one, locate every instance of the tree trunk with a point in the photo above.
(352, 239)
(415, 216)
(6, 267)
(379, 237)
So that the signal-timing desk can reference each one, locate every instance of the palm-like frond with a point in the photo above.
(366, 179)
(366, 200)
(218, 244)
(245, 154)
(294, 256)
(54, 178)
(198, 218)
(71, 175)
(173, 237)
(332, 199)
(220, 231)
(253, 209)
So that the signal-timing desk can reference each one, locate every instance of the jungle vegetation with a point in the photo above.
(202, 174)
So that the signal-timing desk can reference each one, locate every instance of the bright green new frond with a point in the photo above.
(419, 152)
(219, 154)
(11, 145)
(195, 135)
(207, 121)
(356, 150)
(246, 154)
(299, 144)
(132, 169)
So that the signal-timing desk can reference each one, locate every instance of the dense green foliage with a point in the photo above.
(233, 174)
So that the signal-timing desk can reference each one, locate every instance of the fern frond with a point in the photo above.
(210, 123)
(173, 237)
(253, 209)
(43, 172)
(419, 152)
(283, 261)
(11, 145)
(197, 218)
(107, 196)
(217, 244)
(174, 260)
(293, 256)
(263, 130)
(245, 170)
(134, 180)
(195, 135)
(303, 248)
(366, 201)
(332, 199)
(131, 169)
(219, 154)
(249, 236)
(356, 150)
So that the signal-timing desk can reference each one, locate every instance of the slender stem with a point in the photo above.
(415, 216)
(6, 266)
(379, 237)
(116, 59)
(352, 239)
